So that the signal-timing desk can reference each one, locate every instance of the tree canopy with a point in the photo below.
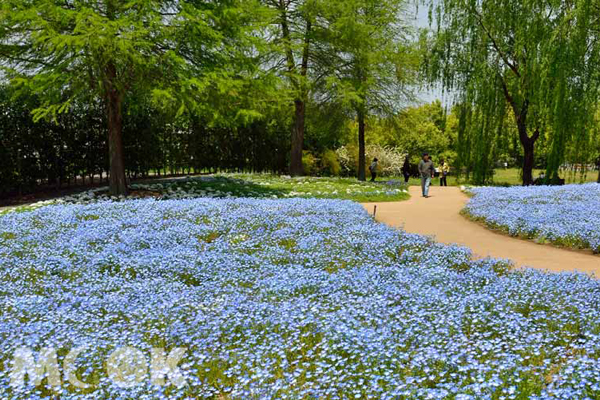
(129, 89)
(537, 59)
(178, 52)
(374, 61)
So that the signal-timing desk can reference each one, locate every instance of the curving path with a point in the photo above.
(439, 216)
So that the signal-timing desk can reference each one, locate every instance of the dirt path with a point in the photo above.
(439, 216)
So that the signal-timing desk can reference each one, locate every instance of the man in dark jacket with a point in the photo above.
(406, 170)
(427, 172)
(373, 169)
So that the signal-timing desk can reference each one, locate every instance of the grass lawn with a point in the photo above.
(258, 186)
(261, 185)
(510, 177)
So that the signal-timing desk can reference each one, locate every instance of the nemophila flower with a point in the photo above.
(565, 215)
(289, 298)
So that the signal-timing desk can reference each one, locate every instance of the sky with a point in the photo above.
(421, 20)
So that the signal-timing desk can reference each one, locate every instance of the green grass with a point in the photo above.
(6, 210)
(262, 186)
(512, 177)
(249, 185)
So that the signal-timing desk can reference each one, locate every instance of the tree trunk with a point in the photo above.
(528, 160)
(297, 139)
(361, 146)
(521, 111)
(117, 182)
(528, 144)
(298, 84)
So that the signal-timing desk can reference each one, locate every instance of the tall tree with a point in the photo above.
(294, 37)
(540, 56)
(373, 60)
(106, 49)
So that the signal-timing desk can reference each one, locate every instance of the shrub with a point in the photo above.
(310, 164)
(348, 158)
(330, 165)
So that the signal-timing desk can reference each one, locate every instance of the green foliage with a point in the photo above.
(479, 129)
(372, 56)
(88, 49)
(539, 59)
(33, 153)
(155, 142)
(330, 165)
(372, 60)
(208, 86)
(327, 127)
(423, 129)
(179, 54)
(310, 163)
(412, 131)
(295, 33)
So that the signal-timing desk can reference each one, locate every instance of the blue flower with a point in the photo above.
(292, 298)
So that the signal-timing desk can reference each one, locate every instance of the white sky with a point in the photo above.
(421, 20)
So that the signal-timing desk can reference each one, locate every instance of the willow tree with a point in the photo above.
(372, 60)
(540, 56)
(90, 50)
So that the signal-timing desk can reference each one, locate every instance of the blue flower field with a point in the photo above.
(564, 215)
(287, 299)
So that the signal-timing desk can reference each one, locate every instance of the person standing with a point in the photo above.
(427, 172)
(406, 170)
(373, 169)
(444, 170)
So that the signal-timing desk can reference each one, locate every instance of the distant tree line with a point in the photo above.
(73, 149)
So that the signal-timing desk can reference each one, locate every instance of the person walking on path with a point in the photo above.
(444, 170)
(427, 172)
(406, 170)
(373, 169)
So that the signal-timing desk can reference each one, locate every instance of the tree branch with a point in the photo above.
(502, 55)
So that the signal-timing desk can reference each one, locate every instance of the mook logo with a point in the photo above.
(126, 367)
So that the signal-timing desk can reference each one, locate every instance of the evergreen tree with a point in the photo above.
(85, 50)
(373, 61)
